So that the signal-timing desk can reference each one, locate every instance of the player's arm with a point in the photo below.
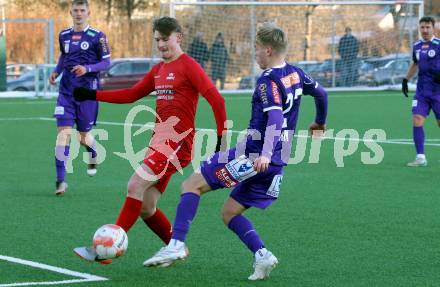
(412, 70)
(270, 96)
(122, 96)
(320, 96)
(59, 67)
(205, 86)
(103, 52)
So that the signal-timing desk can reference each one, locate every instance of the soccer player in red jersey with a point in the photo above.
(177, 81)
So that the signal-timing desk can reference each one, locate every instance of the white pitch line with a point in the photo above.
(389, 141)
(85, 277)
(227, 98)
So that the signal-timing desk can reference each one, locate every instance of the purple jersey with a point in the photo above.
(278, 88)
(427, 57)
(87, 48)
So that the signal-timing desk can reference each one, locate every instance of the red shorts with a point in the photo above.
(164, 167)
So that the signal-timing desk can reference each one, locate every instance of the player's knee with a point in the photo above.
(189, 186)
(147, 211)
(418, 120)
(135, 189)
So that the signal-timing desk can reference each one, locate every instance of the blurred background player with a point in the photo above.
(177, 80)
(84, 53)
(256, 171)
(426, 59)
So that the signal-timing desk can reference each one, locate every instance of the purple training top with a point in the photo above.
(88, 48)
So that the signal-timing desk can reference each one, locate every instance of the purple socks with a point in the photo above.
(419, 139)
(241, 226)
(61, 156)
(186, 211)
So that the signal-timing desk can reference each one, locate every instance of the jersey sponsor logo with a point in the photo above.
(425, 46)
(76, 37)
(103, 45)
(170, 77)
(59, 110)
(91, 34)
(66, 46)
(275, 93)
(290, 80)
(224, 176)
(241, 168)
(262, 88)
(431, 53)
(435, 42)
(85, 45)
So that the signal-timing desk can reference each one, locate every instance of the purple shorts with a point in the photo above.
(69, 112)
(259, 190)
(423, 105)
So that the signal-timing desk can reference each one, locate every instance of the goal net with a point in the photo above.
(342, 44)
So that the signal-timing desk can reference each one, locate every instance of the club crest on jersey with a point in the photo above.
(431, 53)
(85, 45)
(170, 76)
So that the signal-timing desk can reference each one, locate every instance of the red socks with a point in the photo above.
(160, 225)
(129, 213)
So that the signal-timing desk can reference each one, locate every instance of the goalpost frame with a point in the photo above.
(175, 3)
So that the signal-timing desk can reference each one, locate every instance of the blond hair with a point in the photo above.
(270, 35)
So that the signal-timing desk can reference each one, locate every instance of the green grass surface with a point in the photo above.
(360, 225)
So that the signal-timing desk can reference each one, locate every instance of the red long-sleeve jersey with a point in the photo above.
(177, 85)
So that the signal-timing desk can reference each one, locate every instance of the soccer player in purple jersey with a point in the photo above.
(84, 53)
(426, 59)
(254, 169)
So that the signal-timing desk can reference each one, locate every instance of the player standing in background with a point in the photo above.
(84, 52)
(177, 80)
(256, 170)
(426, 59)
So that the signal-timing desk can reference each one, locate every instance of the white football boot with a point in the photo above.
(89, 254)
(265, 262)
(167, 255)
(419, 161)
(91, 169)
(60, 188)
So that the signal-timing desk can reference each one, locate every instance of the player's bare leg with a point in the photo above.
(141, 181)
(232, 216)
(61, 157)
(86, 139)
(192, 189)
(419, 141)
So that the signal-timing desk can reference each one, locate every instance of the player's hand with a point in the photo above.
(261, 164)
(405, 87)
(316, 130)
(83, 94)
(53, 77)
(79, 70)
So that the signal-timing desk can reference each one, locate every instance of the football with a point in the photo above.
(110, 241)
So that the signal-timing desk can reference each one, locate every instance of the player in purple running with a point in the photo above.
(254, 168)
(84, 53)
(426, 59)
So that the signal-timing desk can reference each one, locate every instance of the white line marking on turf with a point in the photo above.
(240, 97)
(389, 141)
(84, 276)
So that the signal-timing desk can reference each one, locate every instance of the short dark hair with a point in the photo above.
(80, 2)
(427, 19)
(166, 26)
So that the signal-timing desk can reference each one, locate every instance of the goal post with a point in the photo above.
(384, 33)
